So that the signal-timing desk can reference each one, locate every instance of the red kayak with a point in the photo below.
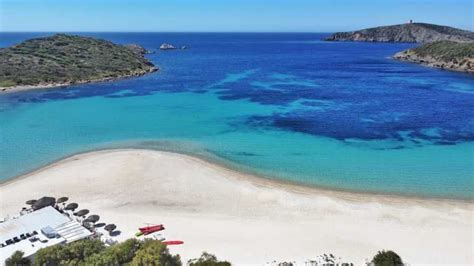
(173, 242)
(151, 229)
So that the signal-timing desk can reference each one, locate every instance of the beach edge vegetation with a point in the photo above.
(136, 252)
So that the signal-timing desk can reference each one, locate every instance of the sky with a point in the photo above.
(227, 15)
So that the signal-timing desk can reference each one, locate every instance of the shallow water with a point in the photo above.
(336, 115)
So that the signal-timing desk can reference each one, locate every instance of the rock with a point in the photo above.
(137, 49)
(167, 46)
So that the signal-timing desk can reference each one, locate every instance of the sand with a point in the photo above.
(247, 219)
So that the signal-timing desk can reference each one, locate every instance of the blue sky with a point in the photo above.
(227, 15)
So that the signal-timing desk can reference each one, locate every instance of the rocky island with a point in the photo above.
(409, 32)
(167, 46)
(62, 59)
(443, 54)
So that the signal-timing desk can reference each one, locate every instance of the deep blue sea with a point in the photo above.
(287, 106)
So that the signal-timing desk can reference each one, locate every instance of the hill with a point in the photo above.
(409, 32)
(443, 54)
(68, 59)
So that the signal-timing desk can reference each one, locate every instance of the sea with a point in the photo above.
(286, 106)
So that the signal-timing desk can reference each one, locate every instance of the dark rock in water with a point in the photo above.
(409, 32)
(444, 54)
(63, 59)
(167, 46)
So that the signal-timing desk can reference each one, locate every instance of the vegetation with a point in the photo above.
(207, 259)
(387, 258)
(72, 254)
(446, 50)
(116, 254)
(153, 252)
(94, 252)
(69, 59)
(17, 259)
(135, 252)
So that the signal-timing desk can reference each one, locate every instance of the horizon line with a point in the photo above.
(230, 31)
(87, 31)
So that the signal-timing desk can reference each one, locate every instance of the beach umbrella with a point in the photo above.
(62, 199)
(43, 202)
(82, 212)
(92, 218)
(99, 225)
(110, 227)
(71, 206)
(30, 202)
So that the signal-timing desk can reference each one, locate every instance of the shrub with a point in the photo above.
(115, 255)
(73, 253)
(153, 252)
(207, 259)
(387, 258)
(17, 259)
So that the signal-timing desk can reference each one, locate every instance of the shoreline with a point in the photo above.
(256, 177)
(435, 65)
(222, 211)
(20, 88)
(427, 61)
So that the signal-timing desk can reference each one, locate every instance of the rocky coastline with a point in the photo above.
(77, 82)
(444, 55)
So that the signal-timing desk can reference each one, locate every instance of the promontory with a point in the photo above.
(63, 59)
(408, 32)
(443, 54)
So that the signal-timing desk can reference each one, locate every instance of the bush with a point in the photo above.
(71, 254)
(153, 252)
(207, 259)
(115, 255)
(17, 259)
(93, 252)
(387, 258)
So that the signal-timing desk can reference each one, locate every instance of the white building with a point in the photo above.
(39, 229)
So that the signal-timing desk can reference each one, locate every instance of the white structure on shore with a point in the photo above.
(39, 229)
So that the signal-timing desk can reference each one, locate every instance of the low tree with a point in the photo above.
(53, 255)
(153, 252)
(17, 259)
(387, 258)
(118, 254)
(80, 250)
(70, 254)
(207, 259)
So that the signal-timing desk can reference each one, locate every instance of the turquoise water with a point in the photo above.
(270, 105)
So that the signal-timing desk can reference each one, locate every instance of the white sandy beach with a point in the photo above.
(245, 219)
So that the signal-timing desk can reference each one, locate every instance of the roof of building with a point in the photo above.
(46, 221)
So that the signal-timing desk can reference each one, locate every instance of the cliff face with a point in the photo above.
(444, 54)
(410, 32)
(67, 59)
